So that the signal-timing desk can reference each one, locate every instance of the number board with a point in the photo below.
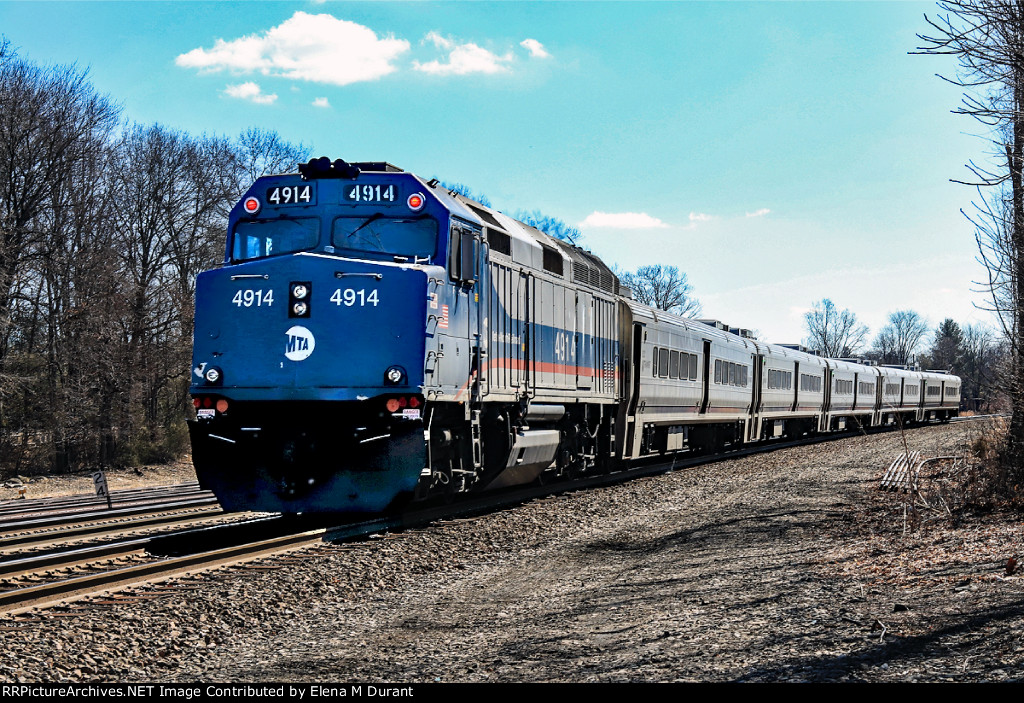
(380, 193)
(292, 195)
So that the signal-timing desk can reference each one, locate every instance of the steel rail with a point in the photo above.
(47, 594)
(41, 539)
(104, 515)
(36, 563)
(14, 506)
(76, 556)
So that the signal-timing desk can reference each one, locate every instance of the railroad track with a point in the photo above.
(968, 418)
(45, 522)
(61, 529)
(148, 560)
(23, 508)
(47, 579)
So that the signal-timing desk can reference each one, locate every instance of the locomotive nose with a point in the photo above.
(310, 327)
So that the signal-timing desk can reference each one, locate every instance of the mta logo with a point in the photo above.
(299, 343)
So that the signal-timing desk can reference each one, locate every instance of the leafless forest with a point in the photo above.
(104, 225)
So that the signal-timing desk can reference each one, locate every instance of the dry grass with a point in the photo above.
(972, 478)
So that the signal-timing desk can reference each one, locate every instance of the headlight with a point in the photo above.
(300, 298)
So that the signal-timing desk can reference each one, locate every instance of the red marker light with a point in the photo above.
(416, 201)
(251, 205)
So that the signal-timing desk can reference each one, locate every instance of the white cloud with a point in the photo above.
(759, 213)
(463, 58)
(621, 220)
(439, 41)
(535, 48)
(250, 91)
(321, 102)
(316, 48)
(700, 217)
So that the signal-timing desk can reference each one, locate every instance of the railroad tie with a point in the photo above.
(902, 472)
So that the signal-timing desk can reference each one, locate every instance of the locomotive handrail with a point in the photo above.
(365, 274)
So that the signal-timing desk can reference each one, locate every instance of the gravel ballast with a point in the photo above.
(787, 566)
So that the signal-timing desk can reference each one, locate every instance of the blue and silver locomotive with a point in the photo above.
(372, 338)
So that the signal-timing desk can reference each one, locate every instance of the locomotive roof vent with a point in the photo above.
(587, 268)
(487, 217)
(377, 166)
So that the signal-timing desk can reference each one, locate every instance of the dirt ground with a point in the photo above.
(81, 483)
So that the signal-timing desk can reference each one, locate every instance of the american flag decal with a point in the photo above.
(443, 322)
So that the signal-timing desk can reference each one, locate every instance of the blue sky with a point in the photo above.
(777, 152)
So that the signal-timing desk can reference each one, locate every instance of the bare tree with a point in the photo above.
(979, 368)
(664, 288)
(898, 341)
(80, 307)
(51, 119)
(987, 38)
(833, 332)
(261, 152)
(53, 132)
(550, 225)
(172, 190)
(101, 238)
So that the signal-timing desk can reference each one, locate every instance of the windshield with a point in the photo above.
(386, 235)
(254, 240)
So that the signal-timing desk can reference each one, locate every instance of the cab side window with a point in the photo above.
(463, 254)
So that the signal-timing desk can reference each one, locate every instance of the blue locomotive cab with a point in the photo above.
(308, 362)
